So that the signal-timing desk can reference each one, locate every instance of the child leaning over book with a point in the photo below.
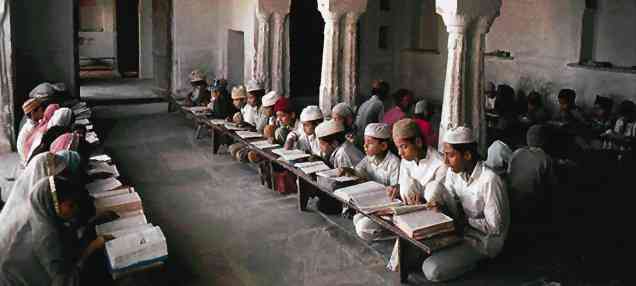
(304, 137)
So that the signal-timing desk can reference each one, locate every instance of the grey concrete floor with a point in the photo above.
(116, 89)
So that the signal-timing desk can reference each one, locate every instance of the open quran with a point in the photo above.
(124, 226)
(136, 250)
(369, 197)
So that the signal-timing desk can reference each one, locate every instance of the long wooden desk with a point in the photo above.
(307, 186)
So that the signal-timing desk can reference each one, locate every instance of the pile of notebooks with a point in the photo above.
(330, 180)
(137, 244)
(424, 224)
(82, 114)
(368, 197)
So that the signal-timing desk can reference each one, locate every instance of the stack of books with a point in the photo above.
(124, 226)
(136, 251)
(330, 180)
(124, 205)
(424, 224)
(368, 197)
(95, 168)
(81, 111)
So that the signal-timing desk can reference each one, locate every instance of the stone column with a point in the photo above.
(453, 107)
(329, 89)
(477, 116)
(467, 22)
(7, 131)
(261, 61)
(350, 59)
(277, 52)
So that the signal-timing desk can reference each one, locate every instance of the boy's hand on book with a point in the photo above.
(413, 198)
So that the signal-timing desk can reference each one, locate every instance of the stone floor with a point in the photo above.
(101, 90)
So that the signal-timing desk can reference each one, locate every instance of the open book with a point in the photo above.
(312, 167)
(121, 204)
(234, 126)
(82, 122)
(248, 134)
(424, 224)
(136, 250)
(218, 121)
(102, 167)
(290, 155)
(333, 175)
(101, 158)
(369, 197)
(123, 226)
(264, 144)
(115, 192)
(103, 185)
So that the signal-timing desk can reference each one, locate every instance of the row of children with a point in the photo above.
(598, 129)
(456, 182)
(47, 232)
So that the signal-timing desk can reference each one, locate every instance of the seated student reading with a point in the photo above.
(285, 120)
(239, 100)
(422, 116)
(623, 135)
(34, 110)
(372, 110)
(220, 105)
(490, 92)
(569, 113)
(484, 201)
(338, 152)
(403, 99)
(265, 121)
(536, 114)
(35, 246)
(304, 137)
(379, 165)
(343, 113)
(531, 177)
(199, 96)
(249, 114)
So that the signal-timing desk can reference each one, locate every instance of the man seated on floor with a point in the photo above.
(536, 114)
(379, 165)
(372, 110)
(569, 113)
(304, 137)
(483, 201)
(343, 113)
(531, 177)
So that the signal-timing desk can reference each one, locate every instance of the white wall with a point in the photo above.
(97, 30)
(544, 36)
(200, 31)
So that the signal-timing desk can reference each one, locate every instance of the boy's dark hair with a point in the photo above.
(66, 189)
(604, 103)
(568, 94)
(401, 93)
(467, 147)
(534, 98)
(382, 89)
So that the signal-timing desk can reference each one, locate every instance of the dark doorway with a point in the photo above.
(128, 37)
(306, 29)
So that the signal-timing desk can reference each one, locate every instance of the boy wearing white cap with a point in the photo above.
(380, 165)
(239, 98)
(304, 137)
(334, 146)
(484, 201)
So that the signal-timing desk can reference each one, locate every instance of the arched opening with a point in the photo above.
(306, 40)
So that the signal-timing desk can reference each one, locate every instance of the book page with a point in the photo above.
(101, 167)
(217, 121)
(248, 134)
(120, 224)
(264, 144)
(103, 185)
(136, 247)
(101, 158)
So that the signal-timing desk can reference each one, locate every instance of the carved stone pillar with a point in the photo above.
(7, 132)
(330, 62)
(350, 59)
(261, 61)
(467, 22)
(277, 52)
(453, 107)
(478, 43)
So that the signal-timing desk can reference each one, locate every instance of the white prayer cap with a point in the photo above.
(342, 109)
(378, 130)
(311, 113)
(254, 85)
(329, 127)
(270, 98)
(238, 92)
(459, 135)
(421, 107)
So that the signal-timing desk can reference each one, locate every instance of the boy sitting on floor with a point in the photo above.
(261, 119)
(304, 137)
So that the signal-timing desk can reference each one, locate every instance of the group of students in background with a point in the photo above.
(395, 147)
(46, 222)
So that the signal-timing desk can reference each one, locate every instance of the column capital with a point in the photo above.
(331, 9)
(459, 15)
